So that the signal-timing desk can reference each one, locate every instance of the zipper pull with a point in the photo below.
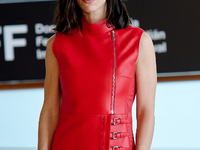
(113, 36)
(112, 112)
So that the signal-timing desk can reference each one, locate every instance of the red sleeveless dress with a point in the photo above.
(97, 76)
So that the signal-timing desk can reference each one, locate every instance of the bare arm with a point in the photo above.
(51, 106)
(146, 80)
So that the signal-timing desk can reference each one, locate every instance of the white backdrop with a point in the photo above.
(177, 116)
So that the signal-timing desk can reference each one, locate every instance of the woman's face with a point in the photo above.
(91, 6)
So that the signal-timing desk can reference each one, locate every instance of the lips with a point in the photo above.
(88, 1)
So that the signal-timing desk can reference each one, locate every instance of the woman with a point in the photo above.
(95, 63)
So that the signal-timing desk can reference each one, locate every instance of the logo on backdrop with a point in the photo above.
(10, 42)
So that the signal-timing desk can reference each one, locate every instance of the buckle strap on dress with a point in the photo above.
(118, 148)
(117, 121)
(118, 134)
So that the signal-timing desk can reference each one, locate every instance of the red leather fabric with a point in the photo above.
(86, 75)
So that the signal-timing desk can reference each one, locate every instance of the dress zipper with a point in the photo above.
(113, 90)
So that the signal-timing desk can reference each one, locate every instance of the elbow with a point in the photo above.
(145, 114)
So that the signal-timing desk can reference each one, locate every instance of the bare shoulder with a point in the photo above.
(146, 62)
(50, 41)
(49, 49)
(145, 40)
(146, 48)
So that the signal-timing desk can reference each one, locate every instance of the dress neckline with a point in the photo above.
(95, 28)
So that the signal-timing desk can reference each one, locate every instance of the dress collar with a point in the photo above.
(95, 28)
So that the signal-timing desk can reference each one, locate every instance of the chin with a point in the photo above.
(88, 7)
(91, 7)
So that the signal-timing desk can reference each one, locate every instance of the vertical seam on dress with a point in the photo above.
(102, 129)
(129, 125)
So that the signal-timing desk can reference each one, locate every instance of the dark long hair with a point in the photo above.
(68, 15)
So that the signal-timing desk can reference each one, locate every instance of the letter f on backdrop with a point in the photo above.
(10, 43)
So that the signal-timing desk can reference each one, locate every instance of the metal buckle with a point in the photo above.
(115, 135)
(114, 121)
(115, 147)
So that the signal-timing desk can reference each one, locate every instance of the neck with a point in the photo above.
(95, 28)
(96, 16)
